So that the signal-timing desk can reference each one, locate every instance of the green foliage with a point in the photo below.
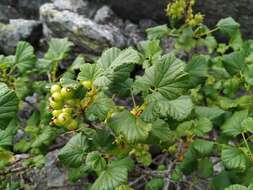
(234, 158)
(72, 154)
(8, 105)
(184, 114)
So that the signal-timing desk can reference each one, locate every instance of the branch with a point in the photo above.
(171, 166)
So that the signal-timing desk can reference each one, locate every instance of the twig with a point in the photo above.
(171, 166)
(137, 180)
(133, 99)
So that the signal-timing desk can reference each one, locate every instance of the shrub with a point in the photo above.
(169, 126)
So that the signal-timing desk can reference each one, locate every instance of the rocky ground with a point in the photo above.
(93, 26)
(96, 24)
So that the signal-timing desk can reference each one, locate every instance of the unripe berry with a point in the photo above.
(56, 113)
(55, 88)
(72, 125)
(70, 102)
(87, 84)
(67, 92)
(55, 105)
(64, 119)
(56, 96)
(67, 110)
(56, 122)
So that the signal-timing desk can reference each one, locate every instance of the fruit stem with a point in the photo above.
(246, 143)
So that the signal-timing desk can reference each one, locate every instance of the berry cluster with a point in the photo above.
(63, 105)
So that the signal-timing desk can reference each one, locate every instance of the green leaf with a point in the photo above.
(155, 184)
(78, 63)
(198, 127)
(210, 43)
(122, 89)
(233, 158)
(74, 174)
(162, 131)
(232, 126)
(89, 72)
(186, 40)
(203, 147)
(7, 136)
(8, 105)
(72, 154)
(248, 74)
(99, 108)
(167, 78)
(126, 162)
(108, 57)
(22, 146)
(205, 167)
(202, 126)
(209, 112)
(7, 62)
(157, 32)
(197, 69)
(198, 66)
(124, 187)
(111, 178)
(185, 128)
(221, 181)
(58, 49)
(5, 157)
(132, 128)
(246, 179)
(236, 187)
(116, 65)
(236, 41)
(178, 109)
(150, 48)
(22, 87)
(95, 161)
(24, 57)
(228, 26)
(247, 125)
(46, 136)
(234, 62)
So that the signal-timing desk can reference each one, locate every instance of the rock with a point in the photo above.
(139, 9)
(52, 176)
(134, 33)
(29, 9)
(7, 12)
(78, 6)
(55, 177)
(241, 11)
(146, 23)
(84, 32)
(16, 30)
(26, 9)
(135, 10)
(104, 15)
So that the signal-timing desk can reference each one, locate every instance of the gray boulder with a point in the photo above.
(105, 15)
(214, 10)
(7, 12)
(84, 32)
(16, 30)
(29, 9)
(81, 7)
(51, 176)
